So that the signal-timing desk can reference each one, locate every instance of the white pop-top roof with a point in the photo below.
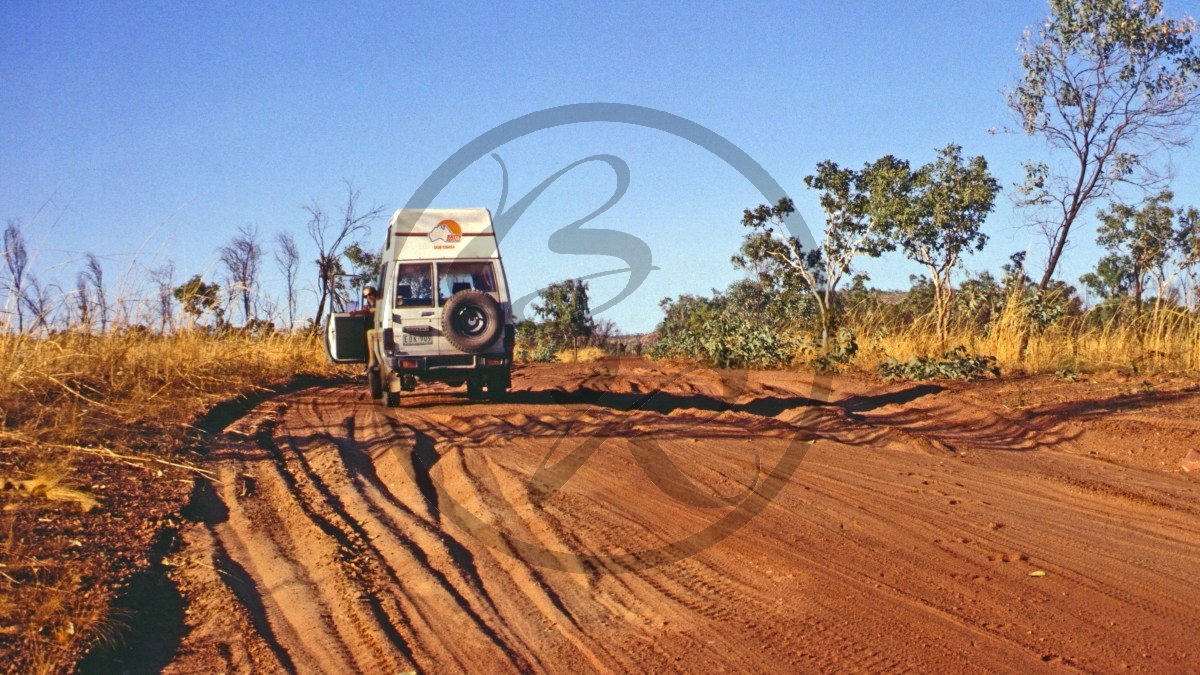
(428, 234)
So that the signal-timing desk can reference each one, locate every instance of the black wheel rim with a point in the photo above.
(470, 321)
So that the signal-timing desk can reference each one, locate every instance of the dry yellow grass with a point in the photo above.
(126, 397)
(1161, 341)
(49, 486)
(70, 387)
(581, 355)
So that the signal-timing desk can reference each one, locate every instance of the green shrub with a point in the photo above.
(841, 354)
(956, 364)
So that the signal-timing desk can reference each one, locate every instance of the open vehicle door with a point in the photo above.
(346, 337)
(346, 332)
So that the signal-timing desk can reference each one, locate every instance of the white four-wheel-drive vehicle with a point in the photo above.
(443, 312)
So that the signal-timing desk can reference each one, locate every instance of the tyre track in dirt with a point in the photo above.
(355, 538)
(363, 511)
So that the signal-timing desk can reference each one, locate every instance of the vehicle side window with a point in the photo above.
(414, 285)
(462, 276)
(382, 285)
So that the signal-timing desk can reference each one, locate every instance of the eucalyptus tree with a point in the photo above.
(287, 258)
(1107, 84)
(935, 215)
(850, 231)
(242, 258)
(1153, 241)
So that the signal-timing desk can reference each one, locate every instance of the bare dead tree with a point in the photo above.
(37, 300)
(267, 312)
(92, 296)
(164, 283)
(330, 238)
(603, 330)
(1107, 84)
(242, 258)
(83, 301)
(16, 260)
(287, 257)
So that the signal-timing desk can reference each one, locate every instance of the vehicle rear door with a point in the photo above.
(417, 330)
(454, 276)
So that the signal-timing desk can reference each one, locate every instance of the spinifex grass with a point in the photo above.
(129, 394)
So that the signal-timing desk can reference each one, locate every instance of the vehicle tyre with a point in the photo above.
(475, 388)
(497, 385)
(375, 382)
(472, 321)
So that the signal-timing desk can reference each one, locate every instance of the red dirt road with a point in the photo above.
(456, 536)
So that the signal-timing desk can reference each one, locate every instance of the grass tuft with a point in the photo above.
(581, 355)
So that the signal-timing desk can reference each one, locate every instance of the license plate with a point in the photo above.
(416, 339)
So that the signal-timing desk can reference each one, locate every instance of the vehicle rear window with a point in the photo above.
(464, 276)
(414, 285)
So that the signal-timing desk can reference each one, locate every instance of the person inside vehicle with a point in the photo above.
(369, 300)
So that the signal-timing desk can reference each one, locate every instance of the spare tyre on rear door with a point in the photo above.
(472, 321)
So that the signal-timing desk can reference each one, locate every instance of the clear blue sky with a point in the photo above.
(147, 132)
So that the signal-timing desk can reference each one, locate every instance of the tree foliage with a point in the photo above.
(1110, 279)
(364, 263)
(564, 314)
(779, 258)
(1154, 241)
(198, 297)
(1106, 84)
(749, 325)
(935, 214)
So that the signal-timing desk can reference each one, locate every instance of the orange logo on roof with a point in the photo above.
(448, 231)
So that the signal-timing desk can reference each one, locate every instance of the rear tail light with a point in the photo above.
(389, 340)
(408, 363)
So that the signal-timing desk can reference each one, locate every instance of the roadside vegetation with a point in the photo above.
(563, 329)
(101, 387)
(83, 414)
(1110, 87)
